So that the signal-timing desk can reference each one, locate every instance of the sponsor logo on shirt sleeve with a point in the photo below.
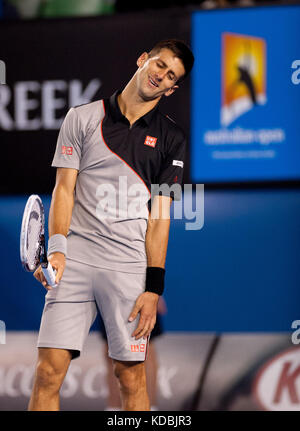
(67, 150)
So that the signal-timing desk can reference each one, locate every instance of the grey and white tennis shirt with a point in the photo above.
(117, 164)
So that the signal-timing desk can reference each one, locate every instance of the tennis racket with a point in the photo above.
(32, 240)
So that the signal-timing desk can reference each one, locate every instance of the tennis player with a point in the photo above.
(108, 247)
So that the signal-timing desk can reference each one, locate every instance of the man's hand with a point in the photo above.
(146, 305)
(58, 263)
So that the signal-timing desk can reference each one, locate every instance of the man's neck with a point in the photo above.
(132, 105)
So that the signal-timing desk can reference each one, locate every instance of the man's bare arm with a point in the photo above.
(62, 201)
(157, 235)
(156, 248)
(60, 217)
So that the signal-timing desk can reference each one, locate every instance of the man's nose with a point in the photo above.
(160, 75)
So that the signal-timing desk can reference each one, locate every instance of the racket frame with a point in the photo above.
(40, 255)
(40, 251)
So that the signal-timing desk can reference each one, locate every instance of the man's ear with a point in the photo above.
(142, 59)
(171, 90)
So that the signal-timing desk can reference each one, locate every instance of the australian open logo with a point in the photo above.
(243, 89)
(2, 72)
(243, 75)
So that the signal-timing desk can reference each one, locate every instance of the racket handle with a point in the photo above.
(49, 273)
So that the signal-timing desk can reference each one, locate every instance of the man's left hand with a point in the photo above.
(146, 305)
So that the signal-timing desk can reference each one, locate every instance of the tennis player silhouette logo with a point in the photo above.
(243, 75)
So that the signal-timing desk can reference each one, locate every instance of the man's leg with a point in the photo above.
(51, 369)
(132, 381)
(113, 397)
(151, 374)
(151, 364)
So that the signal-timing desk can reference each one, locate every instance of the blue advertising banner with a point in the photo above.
(245, 99)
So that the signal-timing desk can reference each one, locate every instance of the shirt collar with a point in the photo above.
(117, 114)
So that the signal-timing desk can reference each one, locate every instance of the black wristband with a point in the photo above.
(155, 280)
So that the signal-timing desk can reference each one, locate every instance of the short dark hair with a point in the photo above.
(180, 49)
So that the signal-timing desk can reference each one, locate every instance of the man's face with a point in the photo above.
(157, 75)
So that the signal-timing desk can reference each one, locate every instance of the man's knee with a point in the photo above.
(51, 370)
(131, 375)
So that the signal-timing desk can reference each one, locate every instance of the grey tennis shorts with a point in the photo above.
(71, 308)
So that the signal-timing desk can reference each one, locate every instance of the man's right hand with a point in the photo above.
(58, 263)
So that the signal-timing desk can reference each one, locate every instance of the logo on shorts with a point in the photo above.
(67, 150)
(138, 348)
(150, 141)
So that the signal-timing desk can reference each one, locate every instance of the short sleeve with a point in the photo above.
(69, 146)
(171, 172)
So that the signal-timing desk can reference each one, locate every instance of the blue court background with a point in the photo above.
(239, 273)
